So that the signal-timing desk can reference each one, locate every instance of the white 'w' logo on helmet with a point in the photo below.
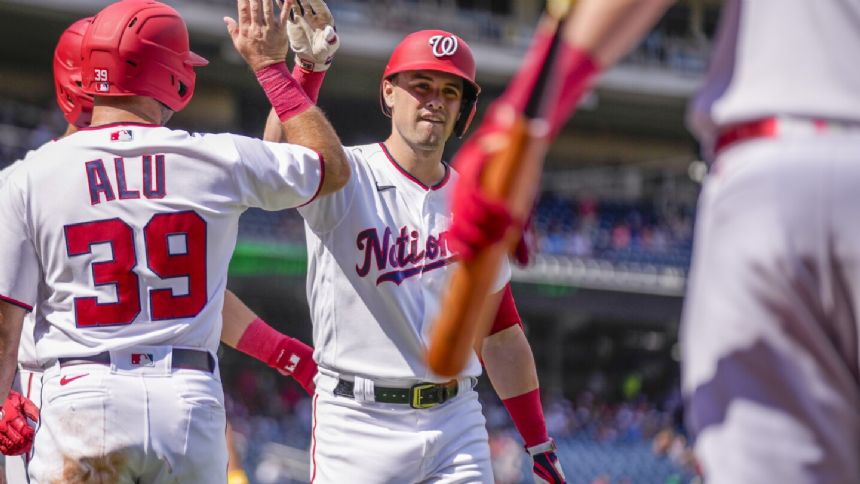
(444, 45)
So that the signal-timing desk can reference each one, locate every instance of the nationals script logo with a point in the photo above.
(401, 254)
(444, 45)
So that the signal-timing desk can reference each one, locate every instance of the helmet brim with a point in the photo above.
(196, 60)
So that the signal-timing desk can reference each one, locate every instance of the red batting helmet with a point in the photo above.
(140, 48)
(77, 106)
(437, 50)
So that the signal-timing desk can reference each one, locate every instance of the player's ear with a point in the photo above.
(388, 92)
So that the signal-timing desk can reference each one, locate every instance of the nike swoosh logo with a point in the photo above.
(66, 380)
(382, 188)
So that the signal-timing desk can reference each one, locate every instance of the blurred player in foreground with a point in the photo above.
(770, 336)
(146, 347)
(378, 261)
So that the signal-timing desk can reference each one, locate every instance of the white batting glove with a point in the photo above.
(312, 34)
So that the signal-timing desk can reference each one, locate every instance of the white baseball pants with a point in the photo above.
(127, 423)
(770, 332)
(368, 442)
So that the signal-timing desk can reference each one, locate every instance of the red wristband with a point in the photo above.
(575, 72)
(521, 86)
(287, 355)
(527, 415)
(310, 81)
(283, 91)
(261, 341)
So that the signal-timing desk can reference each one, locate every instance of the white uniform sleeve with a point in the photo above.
(5, 172)
(325, 213)
(277, 176)
(19, 269)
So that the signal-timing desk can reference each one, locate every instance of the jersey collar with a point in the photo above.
(120, 123)
(441, 183)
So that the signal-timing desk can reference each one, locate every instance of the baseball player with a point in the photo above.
(378, 260)
(134, 254)
(289, 356)
(770, 338)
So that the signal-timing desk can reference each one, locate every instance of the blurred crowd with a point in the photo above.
(600, 442)
(24, 126)
(616, 231)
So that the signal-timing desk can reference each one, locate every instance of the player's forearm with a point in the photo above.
(509, 362)
(312, 130)
(236, 318)
(274, 130)
(598, 34)
(609, 29)
(11, 322)
(510, 365)
(310, 82)
(304, 124)
(243, 330)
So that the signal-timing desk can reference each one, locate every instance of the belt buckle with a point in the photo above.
(416, 395)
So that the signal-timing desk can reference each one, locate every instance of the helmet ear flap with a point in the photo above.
(467, 114)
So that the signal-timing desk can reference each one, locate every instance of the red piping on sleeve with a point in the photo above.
(322, 179)
(16, 302)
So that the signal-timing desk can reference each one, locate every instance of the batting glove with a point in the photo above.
(312, 34)
(16, 435)
(546, 468)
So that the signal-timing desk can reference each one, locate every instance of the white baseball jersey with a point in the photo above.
(772, 57)
(27, 347)
(378, 263)
(132, 228)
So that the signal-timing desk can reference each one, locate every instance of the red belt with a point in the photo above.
(759, 128)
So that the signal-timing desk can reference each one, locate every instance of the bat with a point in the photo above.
(512, 174)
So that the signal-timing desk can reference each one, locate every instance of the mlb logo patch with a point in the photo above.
(293, 363)
(122, 135)
(103, 87)
(142, 359)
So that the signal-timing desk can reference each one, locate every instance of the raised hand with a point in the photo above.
(260, 35)
(312, 34)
